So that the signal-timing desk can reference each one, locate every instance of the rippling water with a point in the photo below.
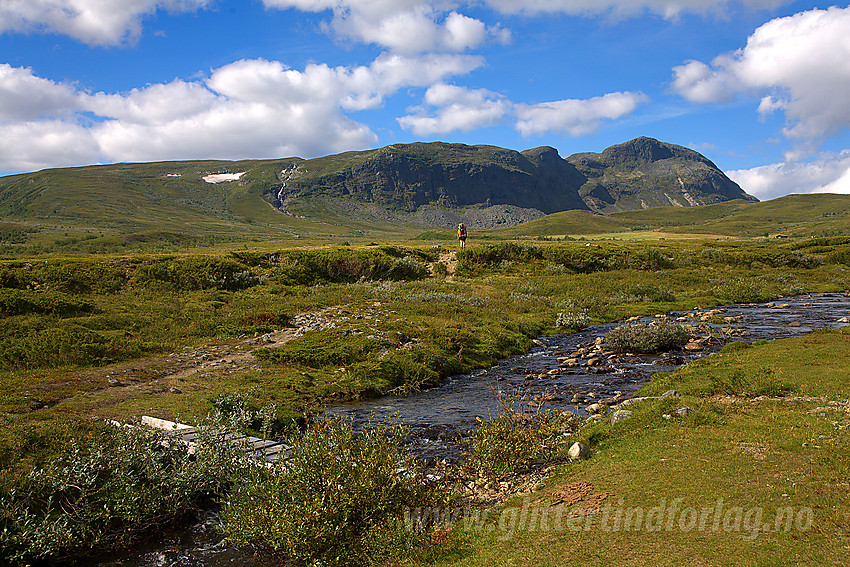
(437, 415)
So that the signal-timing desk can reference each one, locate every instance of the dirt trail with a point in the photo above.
(449, 258)
(169, 371)
(241, 355)
(232, 356)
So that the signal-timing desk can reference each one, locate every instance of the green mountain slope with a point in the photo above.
(793, 215)
(391, 191)
(138, 196)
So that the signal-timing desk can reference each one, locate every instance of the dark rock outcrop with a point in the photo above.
(404, 177)
(645, 173)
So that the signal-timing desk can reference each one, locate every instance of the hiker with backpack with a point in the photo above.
(461, 235)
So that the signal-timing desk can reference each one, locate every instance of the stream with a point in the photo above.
(551, 375)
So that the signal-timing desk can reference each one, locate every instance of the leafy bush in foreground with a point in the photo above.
(646, 337)
(103, 491)
(334, 496)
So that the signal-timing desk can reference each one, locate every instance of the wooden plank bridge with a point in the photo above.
(268, 450)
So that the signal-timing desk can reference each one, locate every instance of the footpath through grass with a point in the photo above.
(742, 479)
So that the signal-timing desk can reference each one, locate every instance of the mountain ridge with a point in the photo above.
(638, 174)
(425, 184)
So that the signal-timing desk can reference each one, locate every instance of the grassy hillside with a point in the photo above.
(793, 215)
(681, 217)
(565, 223)
(159, 206)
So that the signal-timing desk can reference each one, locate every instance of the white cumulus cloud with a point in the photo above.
(249, 108)
(95, 22)
(456, 109)
(29, 146)
(829, 173)
(400, 25)
(23, 96)
(665, 8)
(798, 64)
(403, 26)
(575, 117)
(450, 108)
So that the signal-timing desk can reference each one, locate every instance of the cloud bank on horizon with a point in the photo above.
(517, 72)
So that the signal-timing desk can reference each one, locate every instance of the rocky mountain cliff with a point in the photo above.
(645, 173)
(404, 178)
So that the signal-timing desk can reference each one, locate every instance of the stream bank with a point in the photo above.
(544, 378)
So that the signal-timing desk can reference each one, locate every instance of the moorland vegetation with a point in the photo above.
(85, 338)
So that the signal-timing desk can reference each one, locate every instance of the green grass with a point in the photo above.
(72, 326)
(793, 215)
(762, 457)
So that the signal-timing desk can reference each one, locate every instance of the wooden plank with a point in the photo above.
(269, 450)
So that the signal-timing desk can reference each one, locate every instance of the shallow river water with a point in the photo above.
(437, 415)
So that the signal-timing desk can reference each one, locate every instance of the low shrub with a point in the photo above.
(103, 491)
(196, 273)
(321, 348)
(69, 276)
(651, 337)
(239, 411)
(840, 257)
(652, 259)
(503, 255)
(308, 267)
(652, 293)
(506, 442)
(575, 319)
(69, 344)
(582, 259)
(25, 301)
(741, 290)
(332, 499)
(404, 371)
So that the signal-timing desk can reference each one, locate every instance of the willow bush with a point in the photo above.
(334, 496)
(651, 337)
(103, 491)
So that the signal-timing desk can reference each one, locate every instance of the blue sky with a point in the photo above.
(758, 86)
